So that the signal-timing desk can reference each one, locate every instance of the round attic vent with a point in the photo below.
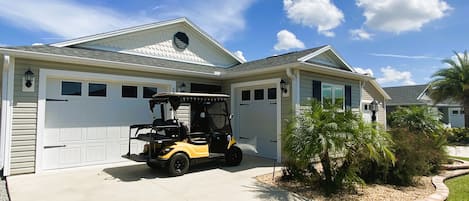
(180, 40)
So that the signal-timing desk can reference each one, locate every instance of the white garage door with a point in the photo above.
(257, 120)
(456, 117)
(87, 122)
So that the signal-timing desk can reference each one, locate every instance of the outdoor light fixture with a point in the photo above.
(374, 109)
(182, 87)
(28, 77)
(283, 86)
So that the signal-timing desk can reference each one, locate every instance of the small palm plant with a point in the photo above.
(338, 139)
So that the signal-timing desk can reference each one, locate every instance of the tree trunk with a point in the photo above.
(326, 167)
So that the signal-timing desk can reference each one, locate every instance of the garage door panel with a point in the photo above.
(95, 152)
(72, 154)
(88, 130)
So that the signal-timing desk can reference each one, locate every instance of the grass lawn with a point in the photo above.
(458, 188)
(461, 158)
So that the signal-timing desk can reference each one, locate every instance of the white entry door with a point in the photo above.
(87, 122)
(257, 120)
(456, 117)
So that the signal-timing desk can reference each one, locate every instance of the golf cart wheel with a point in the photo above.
(233, 156)
(178, 164)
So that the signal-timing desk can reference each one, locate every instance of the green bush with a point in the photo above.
(419, 142)
(458, 136)
(340, 139)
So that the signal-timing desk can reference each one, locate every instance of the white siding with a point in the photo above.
(158, 43)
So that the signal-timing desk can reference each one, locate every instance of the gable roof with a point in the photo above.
(182, 20)
(278, 60)
(406, 95)
(324, 49)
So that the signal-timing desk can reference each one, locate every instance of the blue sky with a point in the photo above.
(401, 42)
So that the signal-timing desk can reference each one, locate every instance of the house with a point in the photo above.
(452, 112)
(69, 104)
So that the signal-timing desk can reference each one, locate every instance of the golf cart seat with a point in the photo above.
(198, 138)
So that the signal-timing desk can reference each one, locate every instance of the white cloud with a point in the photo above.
(240, 55)
(367, 71)
(70, 19)
(391, 75)
(360, 34)
(405, 56)
(66, 19)
(3, 45)
(401, 15)
(221, 19)
(322, 14)
(287, 40)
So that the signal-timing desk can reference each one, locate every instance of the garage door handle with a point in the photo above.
(243, 138)
(54, 146)
(273, 141)
(57, 100)
(243, 104)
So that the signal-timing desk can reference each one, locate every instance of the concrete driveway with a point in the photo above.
(133, 181)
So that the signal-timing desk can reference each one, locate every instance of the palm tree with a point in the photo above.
(453, 83)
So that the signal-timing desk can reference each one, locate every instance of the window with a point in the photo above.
(365, 107)
(272, 93)
(259, 94)
(455, 112)
(333, 94)
(246, 95)
(148, 92)
(129, 91)
(97, 90)
(71, 88)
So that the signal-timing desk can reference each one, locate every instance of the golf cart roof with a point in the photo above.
(176, 98)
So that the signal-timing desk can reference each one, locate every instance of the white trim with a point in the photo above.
(44, 74)
(422, 93)
(275, 81)
(322, 50)
(296, 92)
(7, 111)
(147, 27)
(334, 86)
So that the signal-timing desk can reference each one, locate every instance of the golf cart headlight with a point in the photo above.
(165, 151)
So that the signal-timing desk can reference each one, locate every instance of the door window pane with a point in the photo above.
(259, 94)
(246, 95)
(129, 91)
(97, 89)
(272, 93)
(148, 92)
(71, 88)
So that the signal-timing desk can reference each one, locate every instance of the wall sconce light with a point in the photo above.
(182, 87)
(28, 77)
(283, 86)
(374, 108)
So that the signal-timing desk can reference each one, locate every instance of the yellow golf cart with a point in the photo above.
(171, 144)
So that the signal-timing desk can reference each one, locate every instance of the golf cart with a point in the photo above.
(171, 144)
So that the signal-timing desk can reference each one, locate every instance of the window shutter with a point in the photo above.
(317, 90)
(348, 97)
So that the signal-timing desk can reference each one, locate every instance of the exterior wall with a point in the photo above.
(159, 43)
(306, 86)
(370, 93)
(23, 146)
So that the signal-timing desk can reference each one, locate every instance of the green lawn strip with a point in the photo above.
(460, 158)
(458, 188)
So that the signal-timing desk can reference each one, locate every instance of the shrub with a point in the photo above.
(458, 136)
(418, 144)
(340, 139)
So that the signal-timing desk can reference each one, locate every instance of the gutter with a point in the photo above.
(104, 63)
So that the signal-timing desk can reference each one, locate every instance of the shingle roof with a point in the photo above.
(405, 95)
(277, 60)
(116, 57)
(290, 57)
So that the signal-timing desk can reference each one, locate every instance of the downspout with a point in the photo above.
(295, 92)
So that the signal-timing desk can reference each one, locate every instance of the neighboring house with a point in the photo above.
(452, 112)
(84, 93)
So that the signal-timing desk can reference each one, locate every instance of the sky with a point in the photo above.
(400, 42)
